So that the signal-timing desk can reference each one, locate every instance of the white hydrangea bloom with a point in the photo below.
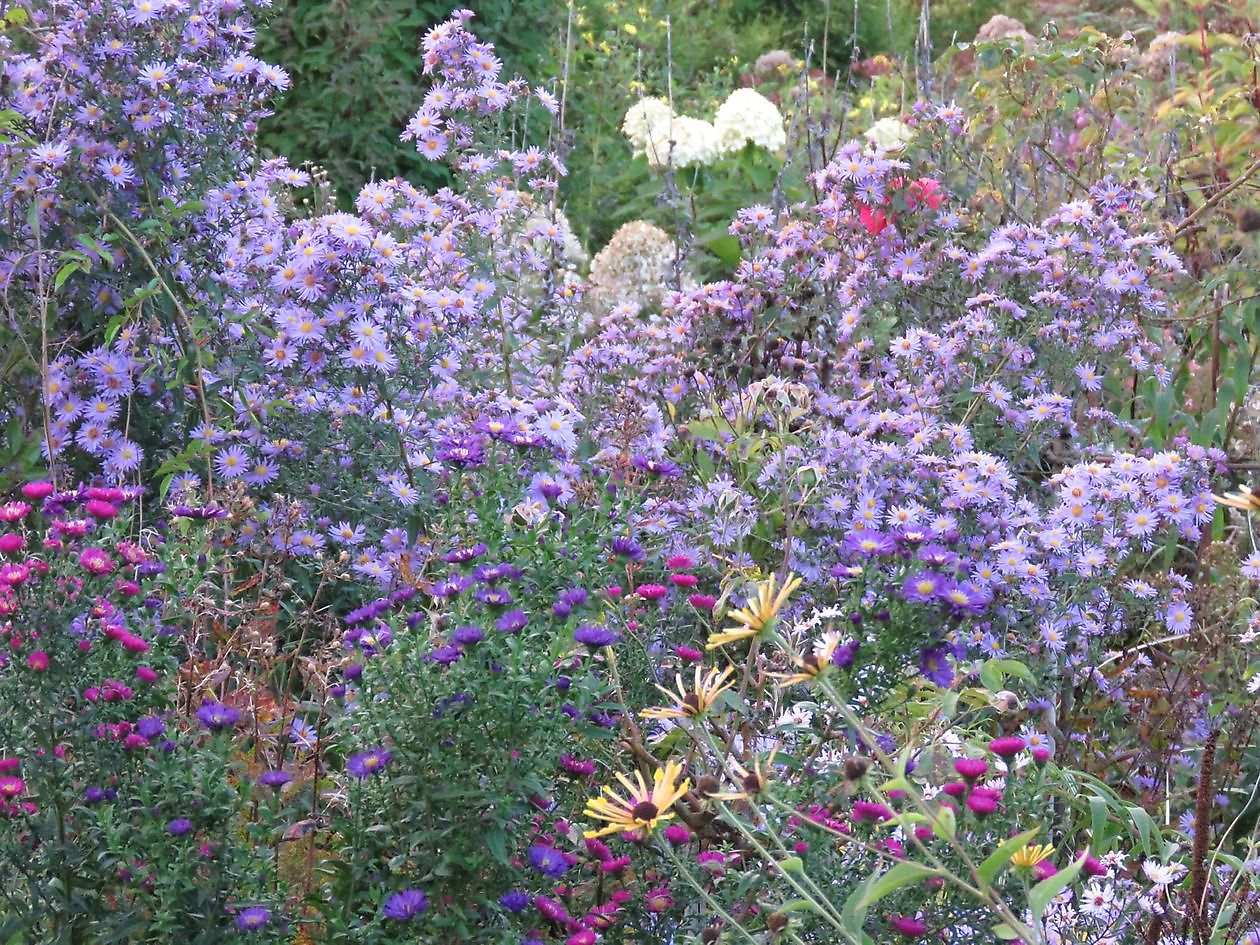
(889, 134)
(694, 142)
(642, 116)
(747, 115)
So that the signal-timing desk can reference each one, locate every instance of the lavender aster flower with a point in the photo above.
(364, 764)
(253, 919)
(216, 716)
(548, 860)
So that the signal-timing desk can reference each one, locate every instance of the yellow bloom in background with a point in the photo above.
(1029, 856)
(1243, 499)
(759, 613)
(640, 808)
(810, 666)
(688, 705)
(752, 781)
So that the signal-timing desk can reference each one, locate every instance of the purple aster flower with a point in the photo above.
(364, 764)
(924, 586)
(445, 655)
(935, 665)
(253, 919)
(511, 621)
(275, 779)
(150, 727)
(494, 596)
(468, 636)
(659, 467)
(217, 716)
(844, 655)
(548, 860)
(405, 906)
(624, 547)
(588, 634)
(868, 543)
(515, 901)
(179, 826)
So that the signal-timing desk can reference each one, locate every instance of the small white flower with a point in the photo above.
(1163, 874)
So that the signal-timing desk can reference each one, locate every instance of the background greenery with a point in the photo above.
(355, 67)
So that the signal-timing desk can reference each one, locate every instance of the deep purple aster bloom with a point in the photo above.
(463, 452)
(367, 763)
(515, 901)
(937, 556)
(548, 860)
(660, 467)
(590, 635)
(253, 919)
(150, 727)
(627, 548)
(935, 665)
(215, 715)
(405, 906)
(494, 596)
(468, 636)
(965, 598)
(199, 511)
(179, 826)
(844, 655)
(275, 778)
(512, 621)
(445, 655)
(464, 555)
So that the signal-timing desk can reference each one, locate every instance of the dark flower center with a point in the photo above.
(645, 811)
(691, 702)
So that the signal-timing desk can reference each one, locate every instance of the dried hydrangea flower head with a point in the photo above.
(636, 268)
(1001, 26)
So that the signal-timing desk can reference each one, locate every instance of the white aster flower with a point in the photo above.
(1163, 874)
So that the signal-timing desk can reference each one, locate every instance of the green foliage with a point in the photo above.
(356, 68)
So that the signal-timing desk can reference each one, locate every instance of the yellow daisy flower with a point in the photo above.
(760, 612)
(641, 808)
(1029, 856)
(810, 666)
(688, 705)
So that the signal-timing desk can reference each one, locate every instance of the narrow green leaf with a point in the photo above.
(903, 874)
(994, 862)
(1040, 895)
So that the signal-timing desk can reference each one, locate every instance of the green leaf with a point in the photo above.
(903, 874)
(994, 862)
(1040, 895)
(994, 672)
